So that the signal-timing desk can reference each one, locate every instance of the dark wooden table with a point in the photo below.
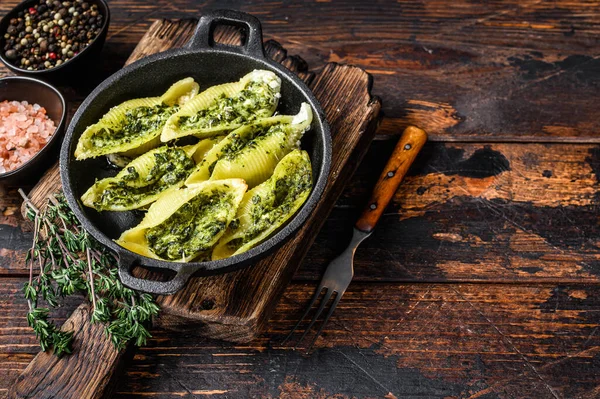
(483, 278)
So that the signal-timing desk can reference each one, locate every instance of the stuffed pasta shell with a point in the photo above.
(186, 224)
(268, 206)
(134, 127)
(226, 107)
(251, 152)
(144, 179)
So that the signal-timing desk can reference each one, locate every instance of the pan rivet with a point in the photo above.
(390, 174)
(407, 147)
(373, 206)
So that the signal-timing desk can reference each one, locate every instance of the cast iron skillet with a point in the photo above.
(209, 63)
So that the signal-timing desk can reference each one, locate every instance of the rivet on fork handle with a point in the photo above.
(404, 154)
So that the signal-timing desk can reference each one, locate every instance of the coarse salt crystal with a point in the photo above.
(24, 130)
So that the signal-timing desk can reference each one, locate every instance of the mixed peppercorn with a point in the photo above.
(50, 33)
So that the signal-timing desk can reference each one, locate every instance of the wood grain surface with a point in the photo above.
(465, 212)
(460, 70)
(91, 371)
(481, 279)
(416, 340)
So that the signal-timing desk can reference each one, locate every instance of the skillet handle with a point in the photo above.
(203, 35)
(126, 263)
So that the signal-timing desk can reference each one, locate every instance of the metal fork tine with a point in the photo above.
(308, 308)
(331, 309)
(326, 299)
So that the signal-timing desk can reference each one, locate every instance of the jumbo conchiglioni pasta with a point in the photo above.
(144, 179)
(251, 152)
(186, 224)
(268, 206)
(134, 126)
(226, 107)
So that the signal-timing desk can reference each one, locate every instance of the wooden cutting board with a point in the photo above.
(233, 306)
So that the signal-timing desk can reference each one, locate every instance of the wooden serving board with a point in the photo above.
(233, 306)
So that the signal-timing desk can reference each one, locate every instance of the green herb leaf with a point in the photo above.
(70, 262)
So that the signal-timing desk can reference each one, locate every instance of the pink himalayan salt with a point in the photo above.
(24, 130)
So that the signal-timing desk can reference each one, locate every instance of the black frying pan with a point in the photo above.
(209, 63)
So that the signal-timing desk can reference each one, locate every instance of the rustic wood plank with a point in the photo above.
(474, 212)
(412, 62)
(424, 340)
(419, 341)
(465, 212)
(461, 71)
(18, 344)
(14, 238)
(89, 372)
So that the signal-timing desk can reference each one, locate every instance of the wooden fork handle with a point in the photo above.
(405, 152)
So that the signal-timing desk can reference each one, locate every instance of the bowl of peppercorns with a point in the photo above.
(46, 38)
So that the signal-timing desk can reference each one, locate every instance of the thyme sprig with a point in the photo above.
(65, 260)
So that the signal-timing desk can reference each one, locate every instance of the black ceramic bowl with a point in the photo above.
(35, 91)
(76, 65)
(209, 63)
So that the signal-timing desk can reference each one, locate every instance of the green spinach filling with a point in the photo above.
(171, 167)
(192, 228)
(251, 139)
(273, 208)
(235, 144)
(137, 123)
(258, 135)
(243, 107)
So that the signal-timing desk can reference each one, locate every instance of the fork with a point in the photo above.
(340, 271)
